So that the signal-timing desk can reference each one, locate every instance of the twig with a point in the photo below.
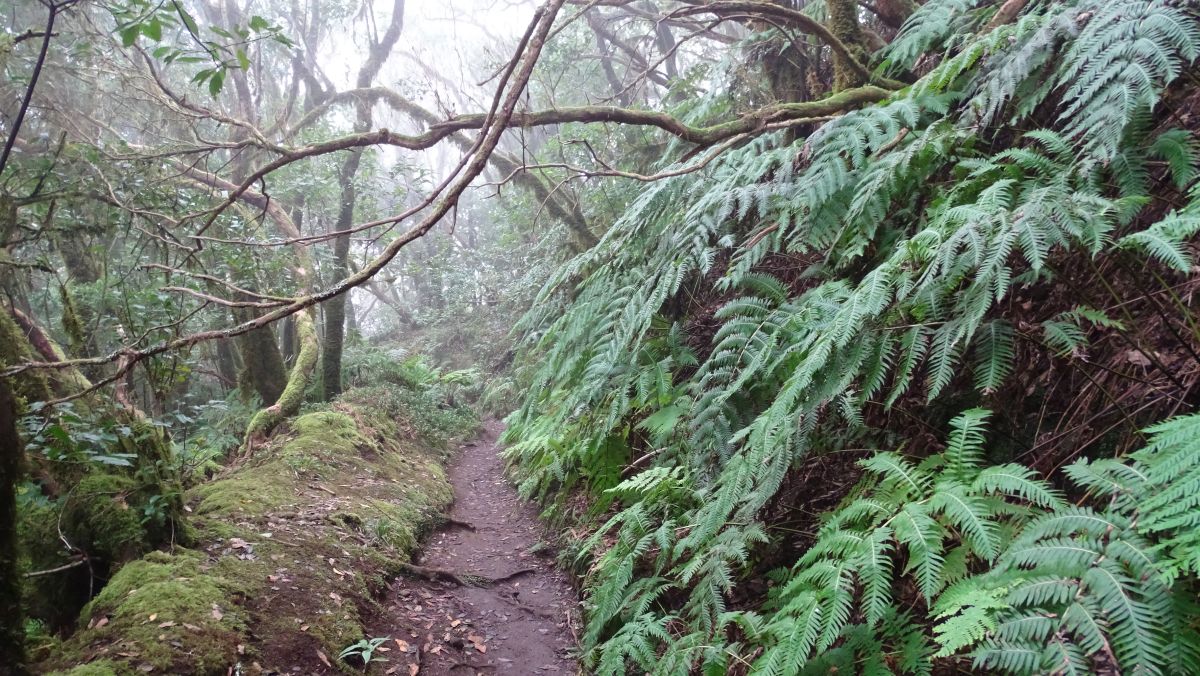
(59, 569)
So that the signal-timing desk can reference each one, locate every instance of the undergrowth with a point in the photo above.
(930, 225)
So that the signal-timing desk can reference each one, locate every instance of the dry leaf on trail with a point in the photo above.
(153, 616)
(216, 612)
(101, 622)
(1136, 358)
(237, 543)
(168, 623)
(455, 623)
(403, 645)
(324, 660)
(477, 641)
(414, 669)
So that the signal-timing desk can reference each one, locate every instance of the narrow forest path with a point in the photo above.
(521, 624)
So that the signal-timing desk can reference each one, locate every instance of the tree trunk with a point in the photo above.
(352, 332)
(16, 349)
(335, 308)
(288, 338)
(293, 395)
(226, 362)
(843, 23)
(262, 361)
(12, 628)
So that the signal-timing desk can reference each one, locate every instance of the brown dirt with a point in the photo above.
(523, 624)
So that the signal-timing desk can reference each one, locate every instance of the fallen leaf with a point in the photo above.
(414, 669)
(324, 660)
(101, 622)
(455, 623)
(237, 543)
(1136, 358)
(403, 645)
(153, 616)
(477, 641)
(168, 623)
(216, 612)
(304, 627)
(190, 627)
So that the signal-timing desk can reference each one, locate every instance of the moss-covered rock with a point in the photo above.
(103, 515)
(168, 612)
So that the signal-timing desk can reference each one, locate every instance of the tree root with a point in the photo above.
(460, 579)
(461, 524)
(512, 575)
(545, 615)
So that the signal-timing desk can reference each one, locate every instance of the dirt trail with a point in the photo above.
(522, 624)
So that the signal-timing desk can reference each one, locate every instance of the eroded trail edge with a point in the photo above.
(505, 607)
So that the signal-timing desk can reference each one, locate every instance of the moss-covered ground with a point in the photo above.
(291, 547)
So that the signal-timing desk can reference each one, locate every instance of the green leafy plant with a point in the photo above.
(69, 436)
(364, 650)
(218, 49)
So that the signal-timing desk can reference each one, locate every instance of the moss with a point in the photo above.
(166, 611)
(97, 517)
(258, 491)
(15, 349)
(323, 440)
(309, 552)
(99, 668)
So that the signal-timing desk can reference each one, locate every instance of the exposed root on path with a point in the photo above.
(512, 600)
(470, 665)
(449, 521)
(460, 579)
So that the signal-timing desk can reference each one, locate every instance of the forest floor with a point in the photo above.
(511, 610)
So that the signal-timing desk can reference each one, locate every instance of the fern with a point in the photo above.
(920, 230)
